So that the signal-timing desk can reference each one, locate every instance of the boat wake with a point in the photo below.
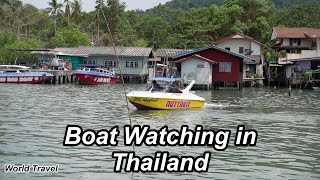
(214, 105)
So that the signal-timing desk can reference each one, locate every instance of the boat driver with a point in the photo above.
(156, 86)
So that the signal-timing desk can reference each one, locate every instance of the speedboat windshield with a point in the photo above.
(167, 85)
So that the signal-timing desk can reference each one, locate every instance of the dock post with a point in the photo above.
(289, 89)
(44, 77)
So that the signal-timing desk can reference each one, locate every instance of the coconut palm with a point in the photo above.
(9, 12)
(67, 11)
(54, 10)
(99, 5)
(76, 11)
(2, 5)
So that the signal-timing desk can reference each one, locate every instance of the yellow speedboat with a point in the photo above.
(168, 98)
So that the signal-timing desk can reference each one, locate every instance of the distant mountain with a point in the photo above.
(187, 4)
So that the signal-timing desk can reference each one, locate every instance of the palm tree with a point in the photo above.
(76, 11)
(67, 11)
(2, 5)
(54, 10)
(99, 5)
(9, 11)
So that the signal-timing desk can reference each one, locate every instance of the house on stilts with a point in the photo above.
(212, 66)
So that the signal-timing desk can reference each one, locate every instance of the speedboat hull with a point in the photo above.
(145, 100)
(94, 79)
(144, 103)
(25, 78)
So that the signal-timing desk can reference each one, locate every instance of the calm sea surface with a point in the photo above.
(33, 119)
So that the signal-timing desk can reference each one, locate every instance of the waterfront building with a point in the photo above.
(213, 65)
(162, 65)
(302, 46)
(247, 46)
(298, 51)
(133, 60)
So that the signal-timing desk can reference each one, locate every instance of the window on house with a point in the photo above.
(91, 62)
(200, 65)
(295, 41)
(129, 64)
(227, 48)
(115, 64)
(241, 50)
(106, 63)
(85, 61)
(110, 64)
(225, 66)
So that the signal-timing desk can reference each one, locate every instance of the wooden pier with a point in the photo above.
(60, 77)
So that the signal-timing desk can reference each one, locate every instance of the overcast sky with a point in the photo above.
(88, 5)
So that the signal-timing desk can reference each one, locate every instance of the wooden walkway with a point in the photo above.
(60, 77)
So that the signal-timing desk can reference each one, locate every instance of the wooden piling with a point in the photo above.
(289, 89)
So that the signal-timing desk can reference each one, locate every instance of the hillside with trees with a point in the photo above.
(67, 25)
(188, 4)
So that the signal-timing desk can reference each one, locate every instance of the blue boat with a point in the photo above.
(22, 75)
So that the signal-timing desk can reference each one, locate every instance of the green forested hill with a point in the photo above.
(187, 4)
(177, 24)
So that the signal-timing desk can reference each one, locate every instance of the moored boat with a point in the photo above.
(316, 88)
(94, 75)
(166, 98)
(22, 74)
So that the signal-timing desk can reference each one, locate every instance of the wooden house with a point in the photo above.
(212, 65)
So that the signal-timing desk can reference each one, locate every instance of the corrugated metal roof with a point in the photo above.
(106, 50)
(169, 52)
(49, 52)
(246, 59)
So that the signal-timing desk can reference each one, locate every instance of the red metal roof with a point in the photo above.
(244, 36)
(296, 32)
(197, 57)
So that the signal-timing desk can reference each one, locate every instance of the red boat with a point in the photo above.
(22, 74)
(94, 75)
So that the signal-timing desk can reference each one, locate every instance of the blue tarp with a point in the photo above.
(165, 79)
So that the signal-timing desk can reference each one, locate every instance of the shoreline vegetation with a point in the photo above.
(176, 24)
